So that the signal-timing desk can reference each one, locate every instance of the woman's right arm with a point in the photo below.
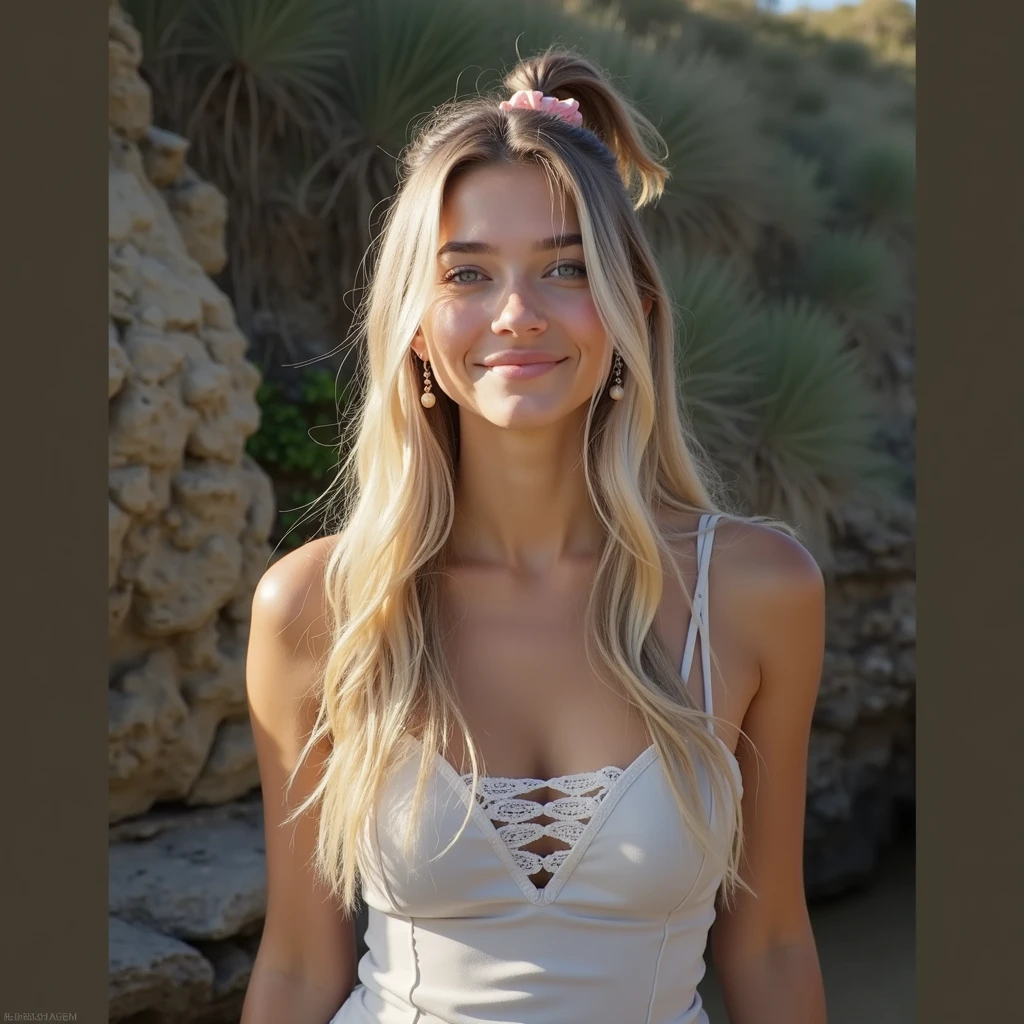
(306, 966)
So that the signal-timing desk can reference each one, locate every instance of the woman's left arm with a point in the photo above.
(763, 947)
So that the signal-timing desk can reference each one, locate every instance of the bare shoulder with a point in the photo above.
(750, 558)
(290, 603)
(775, 593)
(767, 591)
(758, 562)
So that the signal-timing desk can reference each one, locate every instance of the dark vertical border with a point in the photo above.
(970, 924)
(53, 123)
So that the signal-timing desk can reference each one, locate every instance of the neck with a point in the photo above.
(521, 499)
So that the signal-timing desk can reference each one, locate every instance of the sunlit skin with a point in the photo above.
(520, 438)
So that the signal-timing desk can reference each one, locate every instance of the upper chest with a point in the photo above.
(533, 702)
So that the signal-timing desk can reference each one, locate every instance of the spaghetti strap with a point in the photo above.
(699, 625)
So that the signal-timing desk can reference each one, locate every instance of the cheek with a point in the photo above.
(454, 326)
(581, 319)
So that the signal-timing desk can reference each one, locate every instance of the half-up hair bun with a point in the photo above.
(630, 136)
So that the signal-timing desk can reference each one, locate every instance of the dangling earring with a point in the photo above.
(427, 399)
(616, 391)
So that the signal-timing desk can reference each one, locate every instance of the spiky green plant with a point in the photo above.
(856, 276)
(248, 82)
(727, 40)
(402, 59)
(716, 153)
(824, 138)
(815, 419)
(796, 202)
(715, 309)
(880, 179)
(638, 17)
(848, 57)
(781, 61)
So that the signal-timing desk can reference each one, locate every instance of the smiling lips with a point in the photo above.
(523, 364)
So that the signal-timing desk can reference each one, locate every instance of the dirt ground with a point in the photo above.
(866, 945)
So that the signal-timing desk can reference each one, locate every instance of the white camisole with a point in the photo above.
(616, 936)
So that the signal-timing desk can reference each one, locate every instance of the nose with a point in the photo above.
(518, 318)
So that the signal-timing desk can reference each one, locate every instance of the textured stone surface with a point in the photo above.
(190, 513)
(861, 764)
(232, 964)
(196, 883)
(156, 975)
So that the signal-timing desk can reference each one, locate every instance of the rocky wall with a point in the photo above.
(189, 515)
(861, 755)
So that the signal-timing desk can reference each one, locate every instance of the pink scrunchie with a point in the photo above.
(567, 110)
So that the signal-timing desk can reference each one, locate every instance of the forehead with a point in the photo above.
(506, 205)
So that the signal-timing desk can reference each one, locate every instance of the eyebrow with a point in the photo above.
(545, 245)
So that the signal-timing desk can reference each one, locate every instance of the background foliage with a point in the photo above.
(786, 232)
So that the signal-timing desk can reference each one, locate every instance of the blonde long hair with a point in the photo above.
(386, 669)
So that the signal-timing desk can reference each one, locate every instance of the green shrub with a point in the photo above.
(856, 276)
(815, 419)
(299, 445)
(880, 180)
(798, 203)
(848, 57)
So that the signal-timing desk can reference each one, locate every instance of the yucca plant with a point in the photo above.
(796, 201)
(879, 180)
(848, 57)
(638, 17)
(815, 420)
(716, 153)
(715, 311)
(856, 276)
(824, 138)
(401, 59)
(248, 82)
(727, 40)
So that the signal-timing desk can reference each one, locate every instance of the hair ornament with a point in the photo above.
(567, 110)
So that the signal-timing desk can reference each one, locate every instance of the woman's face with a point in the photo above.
(511, 286)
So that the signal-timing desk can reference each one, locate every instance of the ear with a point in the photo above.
(419, 345)
(648, 303)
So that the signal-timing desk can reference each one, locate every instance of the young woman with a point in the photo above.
(494, 702)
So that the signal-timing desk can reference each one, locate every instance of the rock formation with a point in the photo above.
(190, 514)
(861, 763)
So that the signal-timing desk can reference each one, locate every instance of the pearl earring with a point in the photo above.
(616, 391)
(427, 399)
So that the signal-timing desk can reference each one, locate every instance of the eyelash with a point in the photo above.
(449, 278)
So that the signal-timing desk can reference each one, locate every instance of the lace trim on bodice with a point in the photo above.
(500, 797)
(501, 801)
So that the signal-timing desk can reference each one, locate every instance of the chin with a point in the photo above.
(524, 414)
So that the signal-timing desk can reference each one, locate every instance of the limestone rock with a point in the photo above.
(131, 489)
(232, 965)
(861, 751)
(119, 523)
(178, 591)
(204, 883)
(163, 156)
(118, 363)
(130, 101)
(172, 817)
(231, 769)
(155, 974)
(201, 212)
(190, 513)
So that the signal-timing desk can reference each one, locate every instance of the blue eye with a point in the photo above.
(453, 275)
(570, 266)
